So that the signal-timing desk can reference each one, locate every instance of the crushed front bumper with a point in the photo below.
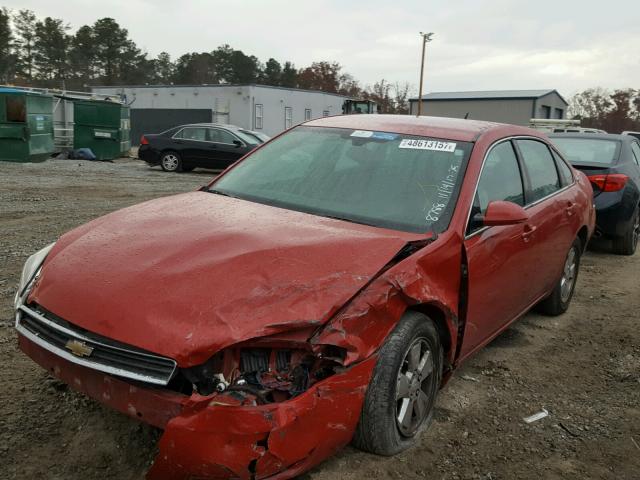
(206, 440)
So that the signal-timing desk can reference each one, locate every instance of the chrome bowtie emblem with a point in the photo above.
(78, 348)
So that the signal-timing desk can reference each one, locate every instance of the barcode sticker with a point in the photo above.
(362, 134)
(434, 145)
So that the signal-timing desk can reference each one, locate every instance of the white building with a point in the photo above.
(155, 108)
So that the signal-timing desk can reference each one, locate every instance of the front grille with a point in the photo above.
(91, 350)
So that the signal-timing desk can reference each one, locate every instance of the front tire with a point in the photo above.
(558, 302)
(402, 392)
(171, 162)
(627, 244)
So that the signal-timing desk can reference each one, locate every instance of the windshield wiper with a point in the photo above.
(350, 220)
(220, 192)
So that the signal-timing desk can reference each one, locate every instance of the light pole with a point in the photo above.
(426, 37)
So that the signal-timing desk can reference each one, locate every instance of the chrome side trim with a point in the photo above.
(533, 204)
(81, 361)
(477, 232)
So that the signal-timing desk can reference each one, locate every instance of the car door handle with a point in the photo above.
(528, 232)
(569, 209)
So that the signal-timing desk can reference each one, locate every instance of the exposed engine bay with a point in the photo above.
(258, 375)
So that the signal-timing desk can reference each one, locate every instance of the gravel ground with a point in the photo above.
(583, 367)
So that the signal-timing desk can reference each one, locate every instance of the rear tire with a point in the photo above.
(401, 395)
(558, 302)
(171, 162)
(628, 243)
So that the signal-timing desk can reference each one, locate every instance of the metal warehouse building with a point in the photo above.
(517, 107)
(271, 110)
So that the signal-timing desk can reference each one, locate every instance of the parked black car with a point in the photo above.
(633, 134)
(206, 145)
(612, 163)
(263, 137)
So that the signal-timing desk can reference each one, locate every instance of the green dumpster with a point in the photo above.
(102, 126)
(26, 125)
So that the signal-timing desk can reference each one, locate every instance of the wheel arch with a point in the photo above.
(583, 235)
(166, 150)
(445, 327)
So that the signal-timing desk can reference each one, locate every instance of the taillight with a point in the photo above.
(611, 182)
(143, 140)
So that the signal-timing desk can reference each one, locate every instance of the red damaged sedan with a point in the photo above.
(319, 292)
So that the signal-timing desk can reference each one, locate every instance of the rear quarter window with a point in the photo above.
(565, 171)
(635, 150)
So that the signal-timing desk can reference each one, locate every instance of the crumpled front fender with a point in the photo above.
(432, 276)
(203, 439)
(279, 440)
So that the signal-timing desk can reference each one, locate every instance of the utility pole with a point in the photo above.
(426, 37)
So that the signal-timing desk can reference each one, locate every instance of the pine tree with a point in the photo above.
(82, 55)
(109, 42)
(50, 49)
(7, 59)
(289, 77)
(164, 68)
(24, 23)
(272, 74)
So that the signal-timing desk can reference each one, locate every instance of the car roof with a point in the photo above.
(597, 136)
(437, 127)
(222, 125)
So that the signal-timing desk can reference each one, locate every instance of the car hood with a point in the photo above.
(187, 275)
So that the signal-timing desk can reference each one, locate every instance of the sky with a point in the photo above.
(569, 45)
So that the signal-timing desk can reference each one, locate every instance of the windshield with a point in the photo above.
(247, 138)
(360, 107)
(588, 150)
(260, 136)
(389, 180)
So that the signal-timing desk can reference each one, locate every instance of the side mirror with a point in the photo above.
(238, 143)
(504, 213)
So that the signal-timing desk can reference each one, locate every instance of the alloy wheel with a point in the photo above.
(170, 162)
(413, 402)
(569, 275)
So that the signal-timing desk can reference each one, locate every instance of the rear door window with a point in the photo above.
(501, 180)
(541, 169)
(193, 133)
(218, 135)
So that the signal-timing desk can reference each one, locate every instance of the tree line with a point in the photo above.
(43, 53)
(612, 111)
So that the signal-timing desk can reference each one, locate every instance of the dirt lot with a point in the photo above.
(583, 367)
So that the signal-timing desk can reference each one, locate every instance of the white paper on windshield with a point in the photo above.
(362, 133)
(433, 145)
